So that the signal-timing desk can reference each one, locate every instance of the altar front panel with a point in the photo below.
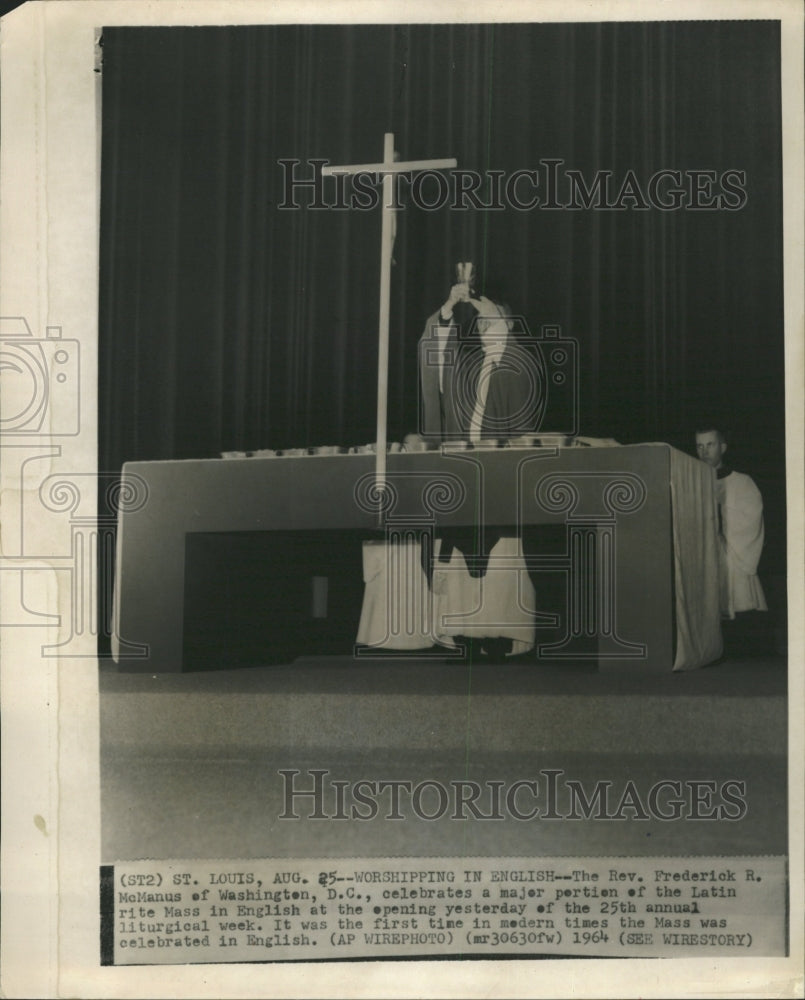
(615, 504)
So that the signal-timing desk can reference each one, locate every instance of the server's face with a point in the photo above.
(710, 448)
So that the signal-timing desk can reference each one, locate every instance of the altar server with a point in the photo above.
(741, 537)
(741, 529)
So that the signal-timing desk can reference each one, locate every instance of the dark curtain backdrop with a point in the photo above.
(227, 323)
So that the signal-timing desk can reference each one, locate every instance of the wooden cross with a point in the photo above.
(387, 168)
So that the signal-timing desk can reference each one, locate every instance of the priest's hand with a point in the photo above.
(460, 292)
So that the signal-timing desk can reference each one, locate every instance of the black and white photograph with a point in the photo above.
(402, 450)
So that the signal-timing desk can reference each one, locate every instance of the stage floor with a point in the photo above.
(190, 762)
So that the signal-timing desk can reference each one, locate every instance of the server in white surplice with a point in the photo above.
(741, 535)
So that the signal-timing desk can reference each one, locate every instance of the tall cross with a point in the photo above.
(387, 168)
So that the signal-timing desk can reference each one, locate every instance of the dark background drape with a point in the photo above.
(228, 323)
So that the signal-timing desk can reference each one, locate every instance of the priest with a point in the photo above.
(479, 384)
(479, 381)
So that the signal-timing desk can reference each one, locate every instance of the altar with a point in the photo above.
(639, 557)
